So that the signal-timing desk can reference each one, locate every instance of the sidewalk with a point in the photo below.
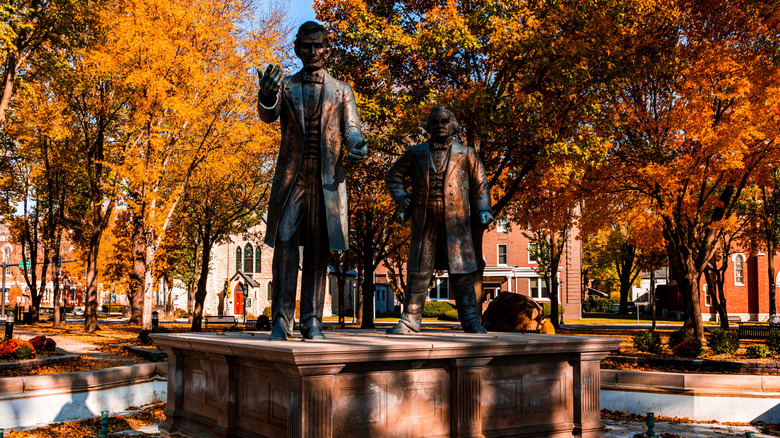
(623, 429)
(66, 345)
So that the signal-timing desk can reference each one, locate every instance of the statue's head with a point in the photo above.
(312, 45)
(442, 124)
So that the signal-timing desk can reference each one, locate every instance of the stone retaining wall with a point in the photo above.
(34, 400)
(706, 365)
(701, 397)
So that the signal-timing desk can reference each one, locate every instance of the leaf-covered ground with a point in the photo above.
(89, 428)
(606, 414)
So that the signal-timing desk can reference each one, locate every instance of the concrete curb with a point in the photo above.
(35, 363)
(700, 397)
(32, 400)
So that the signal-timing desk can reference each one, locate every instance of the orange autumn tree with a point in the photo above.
(694, 122)
(188, 67)
(524, 78)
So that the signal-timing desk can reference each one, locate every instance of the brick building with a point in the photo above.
(509, 267)
(746, 288)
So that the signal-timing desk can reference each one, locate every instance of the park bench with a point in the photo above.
(755, 330)
(220, 320)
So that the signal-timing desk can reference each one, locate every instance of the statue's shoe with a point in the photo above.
(474, 327)
(312, 333)
(278, 333)
(401, 328)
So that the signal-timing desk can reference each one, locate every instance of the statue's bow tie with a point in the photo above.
(315, 78)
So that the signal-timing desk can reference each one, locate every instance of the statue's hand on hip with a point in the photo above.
(270, 83)
(485, 217)
(358, 153)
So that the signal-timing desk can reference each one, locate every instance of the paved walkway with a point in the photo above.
(623, 429)
(66, 345)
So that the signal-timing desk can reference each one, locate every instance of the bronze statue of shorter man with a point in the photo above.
(447, 181)
(308, 201)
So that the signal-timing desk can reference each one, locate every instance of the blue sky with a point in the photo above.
(300, 11)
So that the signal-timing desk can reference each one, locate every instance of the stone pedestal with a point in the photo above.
(366, 384)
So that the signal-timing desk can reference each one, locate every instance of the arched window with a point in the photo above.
(249, 260)
(258, 260)
(739, 270)
(270, 288)
(238, 259)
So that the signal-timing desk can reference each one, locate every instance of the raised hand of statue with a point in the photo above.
(485, 217)
(270, 83)
(358, 153)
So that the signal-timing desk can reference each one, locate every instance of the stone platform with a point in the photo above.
(369, 384)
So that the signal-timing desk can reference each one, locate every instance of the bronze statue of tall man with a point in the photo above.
(308, 201)
(448, 185)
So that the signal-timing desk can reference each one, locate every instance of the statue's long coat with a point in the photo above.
(464, 177)
(340, 132)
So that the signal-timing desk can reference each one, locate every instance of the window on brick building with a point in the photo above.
(537, 289)
(739, 270)
(502, 254)
(238, 259)
(258, 259)
(439, 291)
(707, 299)
(270, 287)
(502, 225)
(531, 248)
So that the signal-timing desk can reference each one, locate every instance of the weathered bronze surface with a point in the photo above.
(447, 179)
(308, 200)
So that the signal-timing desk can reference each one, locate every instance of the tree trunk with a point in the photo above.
(652, 298)
(8, 85)
(368, 288)
(358, 304)
(56, 293)
(477, 234)
(711, 277)
(148, 289)
(137, 275)
(200, 293)
(341, 283)
(91, 302)
(770, 252)
(553, 283)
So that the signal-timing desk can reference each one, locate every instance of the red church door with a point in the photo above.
(238, 301)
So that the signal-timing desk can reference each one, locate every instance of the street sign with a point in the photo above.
(23, 264)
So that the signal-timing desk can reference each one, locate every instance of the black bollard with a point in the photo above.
(155, 320)
(9, 326)
(650, 425)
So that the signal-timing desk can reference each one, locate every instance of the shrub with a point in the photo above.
(679, 336)
(449, 315)
(723, 341)
(267, 312)
(16, 349)
(434, 309)
(181, 313)
(42, 343)
(547, 309)
(112, 308)
(756, 350)
(647, 340)
(598, 305)
(688, 348)
(773, 341)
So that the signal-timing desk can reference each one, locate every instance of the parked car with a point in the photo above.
(631, 307)
(78, 310)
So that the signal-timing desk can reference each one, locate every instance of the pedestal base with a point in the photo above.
(366, 384)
